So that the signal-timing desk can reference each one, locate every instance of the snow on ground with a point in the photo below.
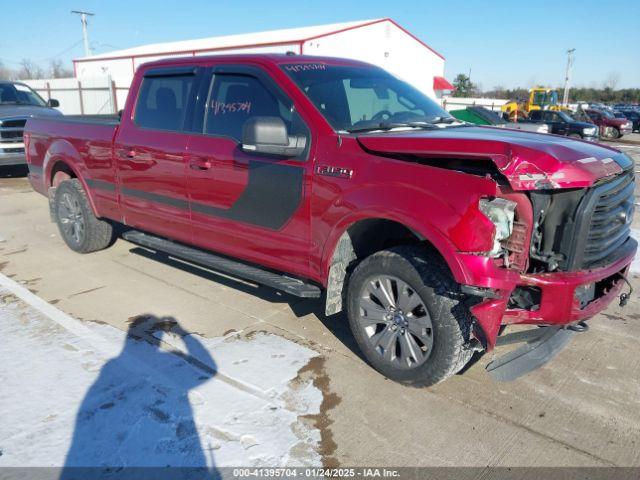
(635, 265)
(85, 394)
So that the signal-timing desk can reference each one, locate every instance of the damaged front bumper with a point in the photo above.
(560, 299)
(540, 346)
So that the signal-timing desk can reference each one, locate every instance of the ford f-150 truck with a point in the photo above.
(323, 176)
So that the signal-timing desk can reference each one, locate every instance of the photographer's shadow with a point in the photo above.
(137, 414)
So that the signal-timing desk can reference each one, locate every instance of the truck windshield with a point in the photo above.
(565, 116)
(359, 98)
(17, 93)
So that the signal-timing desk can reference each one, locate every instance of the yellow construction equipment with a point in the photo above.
(540, 98)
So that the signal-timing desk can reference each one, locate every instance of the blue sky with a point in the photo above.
(507, 43)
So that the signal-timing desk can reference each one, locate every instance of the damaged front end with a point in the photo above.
(577, 230)
(579, 252)
(561, 216)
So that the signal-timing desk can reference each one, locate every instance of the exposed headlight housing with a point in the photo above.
(501, 213)
(589, 130)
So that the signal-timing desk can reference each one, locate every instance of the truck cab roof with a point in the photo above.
(263, 58)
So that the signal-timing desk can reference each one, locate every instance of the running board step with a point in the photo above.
(286, 284)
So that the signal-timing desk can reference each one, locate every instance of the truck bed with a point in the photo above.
(88, 139)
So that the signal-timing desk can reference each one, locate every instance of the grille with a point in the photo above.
(11, 131)
(610, 225)
(577, 229)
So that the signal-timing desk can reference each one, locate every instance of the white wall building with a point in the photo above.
(381, 42)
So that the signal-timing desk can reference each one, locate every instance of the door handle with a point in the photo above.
(200, 164)
(132, 156)
(129, 153)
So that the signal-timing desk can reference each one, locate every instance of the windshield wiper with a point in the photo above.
(390, 125)
(437, 120)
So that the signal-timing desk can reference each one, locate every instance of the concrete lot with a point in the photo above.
(582, 409)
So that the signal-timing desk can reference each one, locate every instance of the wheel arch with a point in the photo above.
(357, 238)
(62, 162)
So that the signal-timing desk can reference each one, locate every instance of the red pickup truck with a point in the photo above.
(610, 126)
(323, 176)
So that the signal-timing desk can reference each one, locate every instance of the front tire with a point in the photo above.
(81, 230)
(613, 133)
(407, 317)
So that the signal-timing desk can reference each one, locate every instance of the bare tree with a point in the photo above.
(612, 80)
(29, 70)
(57, 70)
(499, 91)
(6, 73)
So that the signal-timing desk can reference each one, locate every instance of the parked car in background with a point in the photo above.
(633, 116)
(561, 123)
(17, 103)
(484, 116)
(626, 106)
(610, 126)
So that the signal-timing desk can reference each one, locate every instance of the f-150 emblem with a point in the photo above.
(332, 171)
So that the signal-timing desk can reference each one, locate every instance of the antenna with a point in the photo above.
(85, 34)
(565, 96)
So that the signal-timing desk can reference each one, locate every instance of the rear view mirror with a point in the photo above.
(53, 103)
(269, 136)
(380, 89)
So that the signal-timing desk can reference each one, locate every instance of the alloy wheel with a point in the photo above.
(395, 321)
(71, 218)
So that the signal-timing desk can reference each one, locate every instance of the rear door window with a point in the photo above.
(163, 101)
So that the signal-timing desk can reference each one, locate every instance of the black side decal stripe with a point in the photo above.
(271, 198)
(155, 197)
(101, 184)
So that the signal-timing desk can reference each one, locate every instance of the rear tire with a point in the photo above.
(406, 315)
(81, 230)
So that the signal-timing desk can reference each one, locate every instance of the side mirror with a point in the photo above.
(269, 136)
(53, 103)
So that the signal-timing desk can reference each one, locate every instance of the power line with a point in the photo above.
(71, 47)
(52, 57)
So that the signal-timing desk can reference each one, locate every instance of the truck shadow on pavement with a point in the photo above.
(136, 418)
(338, 324)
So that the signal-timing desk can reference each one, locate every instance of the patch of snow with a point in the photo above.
(80, 394)
(635, 265)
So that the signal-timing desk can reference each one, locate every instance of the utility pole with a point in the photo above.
(565, 97)
(85, 34)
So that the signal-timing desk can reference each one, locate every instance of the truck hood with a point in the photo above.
(617, 122)
(529, 161)
(23, 111)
